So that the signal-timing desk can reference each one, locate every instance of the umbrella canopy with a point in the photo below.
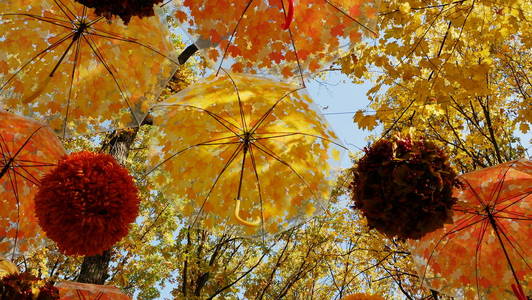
(28, 150)
(7, 267)
(60, 61)
(484, 253)
(259, 35)
(244, 150)
(69, 290)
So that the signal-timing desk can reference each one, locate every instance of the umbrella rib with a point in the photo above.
(495, 228)
(43, 52)
(216, 117)
(23, 144)
(14, 186)
(515, 219)
(457, 229)
(100, 57)
(259, 189)
(64, 9)
(6, 153)
(269, 111)
(295, 49)
(349, 17)
(477, 196)
(477, 255)
(523, 196)
(245, 152)
(241, 108)
(227, 164)
(233, 35)
(225, 143)
(129, 40)
(512, 213)
(6, 157)
(36, 182)
(219, 119)
(24, 168)
(516, 247)
(285, 134)
(92, 22)
(40, 18)
(497, 188)
(63, 56)
(84, 12)
(72, 76)
(270, 153)
(206, 143)
(34, 162)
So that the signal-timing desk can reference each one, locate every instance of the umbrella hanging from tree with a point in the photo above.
(60, 61)
(485, 251)
(245, 151)
(284, 37)
(28, 150)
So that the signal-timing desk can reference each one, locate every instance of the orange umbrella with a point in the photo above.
(60, 61)
(485, 251)
(281, 36)
(28, 149)
(84, 291)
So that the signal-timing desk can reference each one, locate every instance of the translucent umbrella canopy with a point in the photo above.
(28, 149)
(288, 38)
(61, 62)
(244, 151)
(484, 253)
(69, 290)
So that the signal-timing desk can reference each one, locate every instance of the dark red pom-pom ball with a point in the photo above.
(125, 9)
(404, 187)
(87, 203)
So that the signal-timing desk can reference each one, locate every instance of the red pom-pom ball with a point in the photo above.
(87, 203)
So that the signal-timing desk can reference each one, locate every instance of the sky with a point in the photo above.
(339, 98)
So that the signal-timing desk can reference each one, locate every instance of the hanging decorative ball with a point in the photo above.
(404, 187)
(86, 203)
(25, 286)
(360, 296)
(125, 9)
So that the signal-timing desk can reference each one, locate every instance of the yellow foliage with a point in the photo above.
(456, 70)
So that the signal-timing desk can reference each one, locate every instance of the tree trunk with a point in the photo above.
(94, 269)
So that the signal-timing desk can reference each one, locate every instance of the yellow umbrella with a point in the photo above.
(244, 150)
(60, 61)
(7, 267)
